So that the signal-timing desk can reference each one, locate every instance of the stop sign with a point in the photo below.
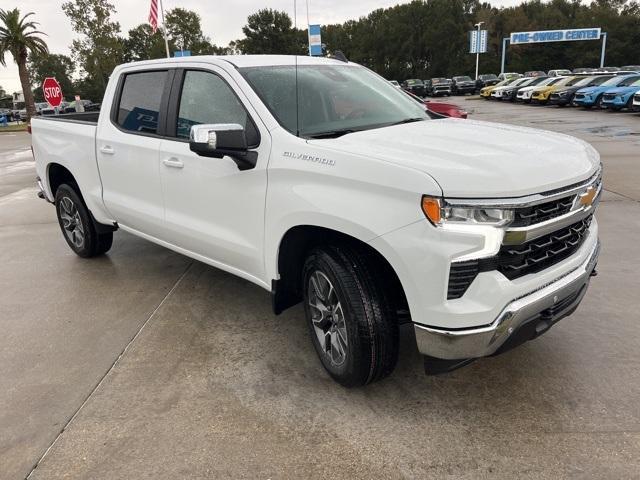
(52, 91)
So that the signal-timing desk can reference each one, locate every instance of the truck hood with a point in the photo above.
(476, 159)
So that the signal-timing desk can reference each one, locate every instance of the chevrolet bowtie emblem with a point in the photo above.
(587, 197)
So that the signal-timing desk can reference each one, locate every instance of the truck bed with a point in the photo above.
(68, 141)
(84, 117)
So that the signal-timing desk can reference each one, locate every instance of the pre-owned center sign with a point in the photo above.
(542, 36)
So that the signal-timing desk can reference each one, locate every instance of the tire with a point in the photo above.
(599, 101)
(346, 306)
(77, 226)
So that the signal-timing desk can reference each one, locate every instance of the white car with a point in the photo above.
(524, 94)
(497, 92)
(635, 106)
(348, 198)
(563, 72)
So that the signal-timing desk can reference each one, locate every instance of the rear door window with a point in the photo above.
(140, 100)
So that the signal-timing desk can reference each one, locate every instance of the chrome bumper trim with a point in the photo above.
(484, 341)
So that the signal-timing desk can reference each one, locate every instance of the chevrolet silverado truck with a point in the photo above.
(320, 182)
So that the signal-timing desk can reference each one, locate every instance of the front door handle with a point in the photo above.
(173, 162)
(107, 150)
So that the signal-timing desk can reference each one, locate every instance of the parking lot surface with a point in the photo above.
(146, 364)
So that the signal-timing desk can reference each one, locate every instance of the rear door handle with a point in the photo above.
(107, 150)
(173, 162)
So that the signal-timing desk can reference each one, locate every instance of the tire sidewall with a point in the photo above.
(351, 368)
(66, 190)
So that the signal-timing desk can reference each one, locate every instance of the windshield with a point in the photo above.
(332, 100)
(414, 82)
(462, 79)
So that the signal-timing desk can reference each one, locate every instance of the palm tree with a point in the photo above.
(20, 37)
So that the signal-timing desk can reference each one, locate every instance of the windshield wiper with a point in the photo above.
(331, 134)
(408, 120)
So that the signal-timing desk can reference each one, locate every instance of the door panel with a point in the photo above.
(127, 150)
(211, 207)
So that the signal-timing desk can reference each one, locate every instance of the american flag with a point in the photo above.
(153, 15)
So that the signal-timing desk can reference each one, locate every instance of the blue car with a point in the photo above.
(590, 96)
(620, 97)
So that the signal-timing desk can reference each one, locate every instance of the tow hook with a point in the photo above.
(594, 273)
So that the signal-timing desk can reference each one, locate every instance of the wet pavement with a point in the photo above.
(146, 364)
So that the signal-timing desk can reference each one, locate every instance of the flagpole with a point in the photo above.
(164, 29)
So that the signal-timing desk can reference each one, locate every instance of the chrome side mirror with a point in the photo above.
(222, 139)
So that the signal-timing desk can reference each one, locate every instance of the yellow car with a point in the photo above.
(541, 94)
(486, 91)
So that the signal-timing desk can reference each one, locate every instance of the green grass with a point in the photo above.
(14, 128)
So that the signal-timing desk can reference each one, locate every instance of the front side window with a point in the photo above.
(331, 99)
(207, 99)
(139, 106)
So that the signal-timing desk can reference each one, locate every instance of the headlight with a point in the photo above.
(440, 213)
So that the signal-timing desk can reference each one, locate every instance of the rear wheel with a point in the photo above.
(352, 323)
(77, 226)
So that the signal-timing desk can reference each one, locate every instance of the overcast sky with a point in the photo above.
(222, 20)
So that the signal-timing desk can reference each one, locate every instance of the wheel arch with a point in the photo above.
(293, 248)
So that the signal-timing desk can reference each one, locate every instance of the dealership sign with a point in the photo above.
(315, 41)
(542, 36)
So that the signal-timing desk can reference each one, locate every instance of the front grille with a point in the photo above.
(636, 98)
(515, 261)
(523, 217)
(579, 96)
(609, 96)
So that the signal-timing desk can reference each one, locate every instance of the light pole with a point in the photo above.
(478, 44)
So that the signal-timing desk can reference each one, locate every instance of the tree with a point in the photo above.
(143, 44)
(19, 37)
(185, 32)
(99, 49)
(270, 32)
(45, 65)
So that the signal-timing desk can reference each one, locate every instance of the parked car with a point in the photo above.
(486, 91)
(608, 69)
(524, 94)
(636, 103)
(559, 73)
(510, 93)
(583, 70)
(435, 87)
(509, 75)
(461, 85)
(415, 86)
(535, 73)
(440, 108)
(496, 93)
(395, 83)
(621, 97)
(564, 96)
(592, 96)
(399, 221)
(486, 80)
(541, 94)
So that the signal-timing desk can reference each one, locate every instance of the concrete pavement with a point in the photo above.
(215, 386)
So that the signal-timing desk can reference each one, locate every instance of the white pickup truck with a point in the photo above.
(322, 183)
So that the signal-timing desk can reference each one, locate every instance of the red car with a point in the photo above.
(446, 109)
(441, 108)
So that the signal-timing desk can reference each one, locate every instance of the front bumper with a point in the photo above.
(560, 100)
(522, 319)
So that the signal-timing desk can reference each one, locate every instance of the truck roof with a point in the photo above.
(245, 60)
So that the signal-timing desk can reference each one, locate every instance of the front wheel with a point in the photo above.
(352, 324)
(76, 224)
